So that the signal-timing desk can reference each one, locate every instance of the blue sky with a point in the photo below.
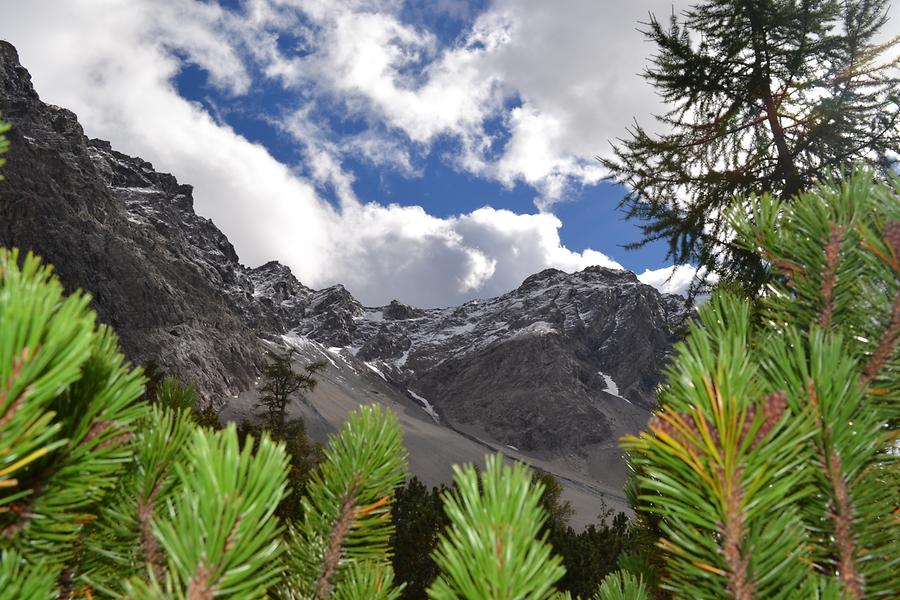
(431, 151)
(590, 215)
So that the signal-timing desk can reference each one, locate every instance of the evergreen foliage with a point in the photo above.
(492, 548)
(343, 537)
(67, 414)
(419, 518)
(588, 555)
(304, 458)
(762, 96)
(591, 554)
(770, 462)
(622, 586)
(282, 382)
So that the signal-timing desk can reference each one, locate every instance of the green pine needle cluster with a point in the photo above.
(492, 548)
(770, 464)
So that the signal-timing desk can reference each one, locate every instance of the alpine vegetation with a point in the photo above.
(770, 468)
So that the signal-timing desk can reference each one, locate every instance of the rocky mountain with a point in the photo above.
(546, 367)
(552, 372)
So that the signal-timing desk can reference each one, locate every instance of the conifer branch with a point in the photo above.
(843, 530)
(842, 514)
(199, 586)
(733, 536)
(346, 517)
(15, 369)
(886, 346)
(832, 253)
(148, 542)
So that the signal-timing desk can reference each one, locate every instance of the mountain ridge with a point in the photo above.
(554, 370)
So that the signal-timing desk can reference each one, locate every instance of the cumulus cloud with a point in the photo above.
(670, 280)
(529, 92)
(569, 70)
(119, 82)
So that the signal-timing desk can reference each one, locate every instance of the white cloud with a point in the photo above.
(670, 280)
(530, 93)
(109, 63)
(571, 67)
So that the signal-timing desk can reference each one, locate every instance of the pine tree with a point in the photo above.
(762, 96)
(419, 518)
(282, 382)
(771, 460)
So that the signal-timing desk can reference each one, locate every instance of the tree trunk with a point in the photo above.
(786, 166)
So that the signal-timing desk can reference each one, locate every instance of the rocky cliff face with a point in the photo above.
(168, 281)
(552, 365)
(562, 363)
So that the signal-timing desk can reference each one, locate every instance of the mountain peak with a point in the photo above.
(608, 274)
(542, 277)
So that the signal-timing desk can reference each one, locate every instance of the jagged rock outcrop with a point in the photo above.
(281, 295)
(549, 366)
(167, 280)
(562, 363)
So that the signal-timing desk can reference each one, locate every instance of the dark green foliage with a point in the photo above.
(590, 555)
(558, 511)
(771, 462)
(304, 458)
(175, 395)
(761, 96)
(419, 518)
(154, 375)
(281, 383)
(207, 416)
(170, 393)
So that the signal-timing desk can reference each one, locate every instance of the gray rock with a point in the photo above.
(547, 367)
(166, 280)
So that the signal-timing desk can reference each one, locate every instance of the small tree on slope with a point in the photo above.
(771, 463)
(282, 382)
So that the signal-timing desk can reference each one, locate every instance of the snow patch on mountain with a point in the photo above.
(611, 387)
(536, 328)
(426, 405)
(376, 370)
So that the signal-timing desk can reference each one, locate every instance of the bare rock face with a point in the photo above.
(166, 280)
(562, 363)
(551, 366)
